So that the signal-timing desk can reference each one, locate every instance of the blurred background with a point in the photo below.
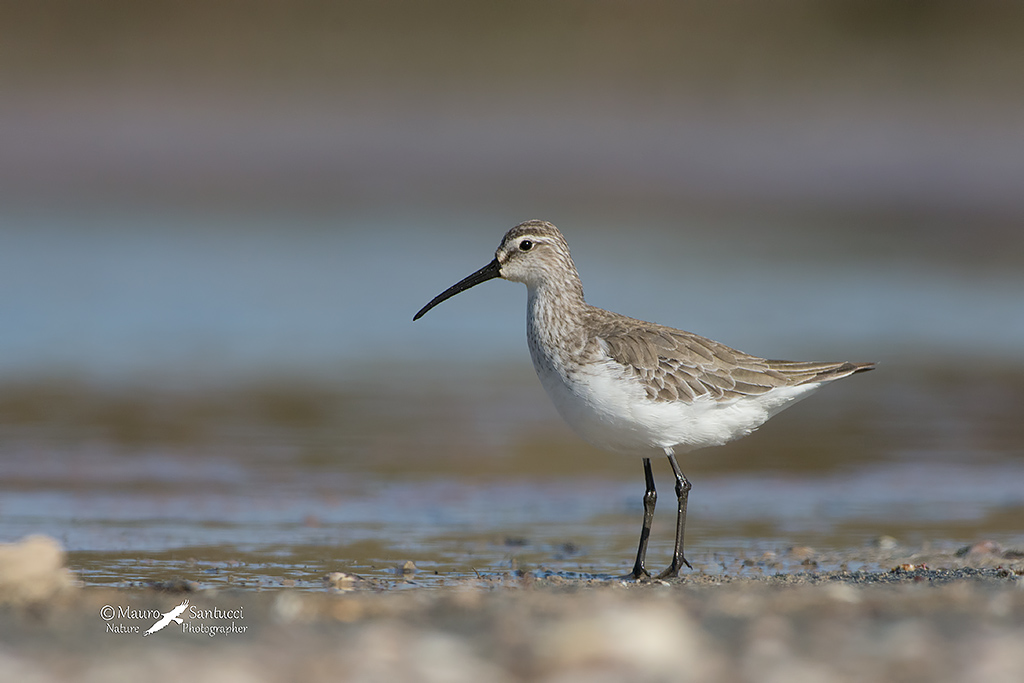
(217, 219)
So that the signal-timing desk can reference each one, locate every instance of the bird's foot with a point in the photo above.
(638, 574)
(672, 571)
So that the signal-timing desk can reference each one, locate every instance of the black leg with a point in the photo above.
(682, 495)
(650, 498)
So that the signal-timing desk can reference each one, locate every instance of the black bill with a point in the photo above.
(488, 272)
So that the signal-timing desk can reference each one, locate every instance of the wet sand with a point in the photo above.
(311, 544)
(929, 617)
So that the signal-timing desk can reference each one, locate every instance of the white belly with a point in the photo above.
(612, 411)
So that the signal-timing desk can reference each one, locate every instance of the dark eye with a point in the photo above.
(525, 245)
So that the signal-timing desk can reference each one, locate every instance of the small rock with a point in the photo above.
(801, 552)
(884, 542)
(288, 607)
(174, 586)
(567, 549)
(32, 570)
(843, 592)
(342, 581)
(980, 548)
(623, 639)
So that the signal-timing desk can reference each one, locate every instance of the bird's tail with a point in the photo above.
(807, 372)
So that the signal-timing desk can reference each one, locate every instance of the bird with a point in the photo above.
(634, 387)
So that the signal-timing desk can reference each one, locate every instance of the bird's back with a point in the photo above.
(675, 365)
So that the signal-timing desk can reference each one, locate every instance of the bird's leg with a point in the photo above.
(650, 498)
(682, 494)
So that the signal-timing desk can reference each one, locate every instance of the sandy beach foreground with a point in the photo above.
(946, 618)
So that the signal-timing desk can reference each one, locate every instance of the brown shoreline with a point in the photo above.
(961, 620)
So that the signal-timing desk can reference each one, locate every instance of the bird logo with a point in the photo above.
(167, 618)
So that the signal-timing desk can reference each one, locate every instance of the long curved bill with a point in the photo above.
(488, 272)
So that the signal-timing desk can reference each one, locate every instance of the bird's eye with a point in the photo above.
(525, 245)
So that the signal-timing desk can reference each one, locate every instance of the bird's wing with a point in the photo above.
(674, 365)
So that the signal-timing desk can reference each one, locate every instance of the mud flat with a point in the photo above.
(952, 617)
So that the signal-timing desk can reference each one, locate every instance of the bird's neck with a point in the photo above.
(555, 313)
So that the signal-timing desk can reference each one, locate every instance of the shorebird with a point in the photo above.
(634, 387)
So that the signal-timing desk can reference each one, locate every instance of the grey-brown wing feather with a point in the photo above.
(674, 365)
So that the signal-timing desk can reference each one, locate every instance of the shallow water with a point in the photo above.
(185, 396)
(264, 486)
(188, 296)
